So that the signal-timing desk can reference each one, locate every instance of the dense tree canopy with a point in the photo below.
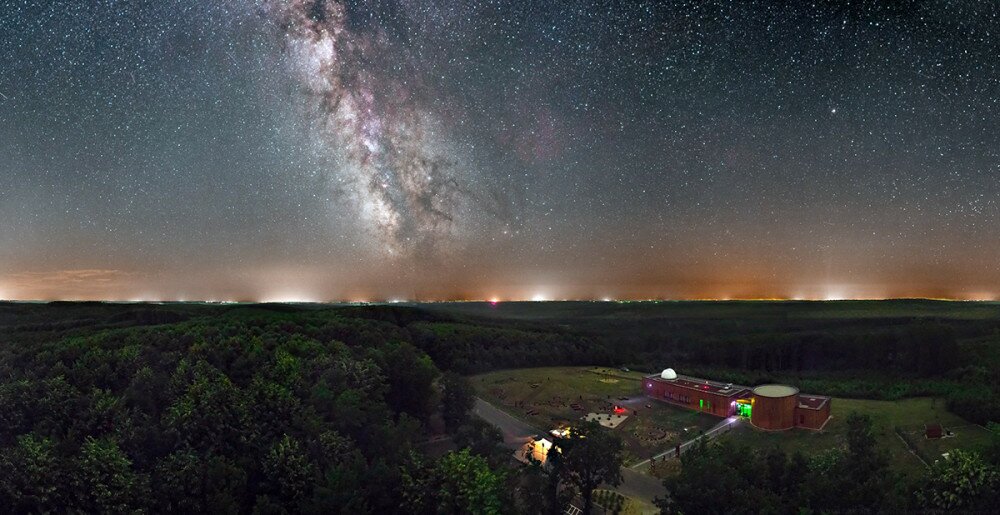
(252, 410)
(723, 477)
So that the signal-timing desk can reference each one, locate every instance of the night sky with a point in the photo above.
(318, 150)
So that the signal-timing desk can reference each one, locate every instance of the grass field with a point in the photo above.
(615, 502)
(545, 397)
(908, 414)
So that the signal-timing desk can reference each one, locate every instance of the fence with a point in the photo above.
(913, 447)
(721, 428)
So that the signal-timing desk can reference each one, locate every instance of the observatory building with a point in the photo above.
(772, 407)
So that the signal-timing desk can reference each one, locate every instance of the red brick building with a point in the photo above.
(769, 407)
(812, 411)
(697, 394)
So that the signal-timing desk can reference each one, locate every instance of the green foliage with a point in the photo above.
(411, 379)
(460, 482)
(963, 481)
(482, 439)
(188, 482)
(611, 501)
(288, 473)
(104, 481)
(458, 397)
(717, 478)
(724, 477)
(230, 412)
(31, 478)
(992, 452)
(210, 413)
(590, 457)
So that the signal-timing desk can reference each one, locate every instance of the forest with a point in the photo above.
(315, 408)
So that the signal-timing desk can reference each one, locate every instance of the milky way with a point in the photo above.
(374, 149)
(391, 155)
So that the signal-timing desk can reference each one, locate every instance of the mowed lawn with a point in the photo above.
(909, 414)
(544, 397)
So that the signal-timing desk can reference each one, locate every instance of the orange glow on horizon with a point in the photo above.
(280, 286)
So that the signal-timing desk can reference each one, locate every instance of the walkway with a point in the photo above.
(721, 428)
(516, 433)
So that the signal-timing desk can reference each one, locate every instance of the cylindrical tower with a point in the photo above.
(774, 406)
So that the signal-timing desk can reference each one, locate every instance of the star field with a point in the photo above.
(324, 150)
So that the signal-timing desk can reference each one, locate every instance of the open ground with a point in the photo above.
(544, 397)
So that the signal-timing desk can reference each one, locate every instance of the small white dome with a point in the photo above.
(669, 374)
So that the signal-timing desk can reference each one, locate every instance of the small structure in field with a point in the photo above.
(933, 431)
(610, 421)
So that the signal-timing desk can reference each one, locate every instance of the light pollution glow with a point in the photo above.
(287, 288)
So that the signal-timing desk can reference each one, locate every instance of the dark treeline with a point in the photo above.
(853, 349)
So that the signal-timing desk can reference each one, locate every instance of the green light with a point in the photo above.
(701, 403)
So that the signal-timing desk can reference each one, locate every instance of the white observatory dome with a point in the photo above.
(669, 374)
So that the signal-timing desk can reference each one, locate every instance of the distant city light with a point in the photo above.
(538, 298)
(289, 298)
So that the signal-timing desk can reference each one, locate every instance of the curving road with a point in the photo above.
(517, 432)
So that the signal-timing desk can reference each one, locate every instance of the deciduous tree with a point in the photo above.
(591, 456)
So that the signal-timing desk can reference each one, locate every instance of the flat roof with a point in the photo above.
(812, 401)
(702, 385)
(775, 390)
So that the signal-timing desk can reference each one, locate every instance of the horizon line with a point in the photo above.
(391, 301)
